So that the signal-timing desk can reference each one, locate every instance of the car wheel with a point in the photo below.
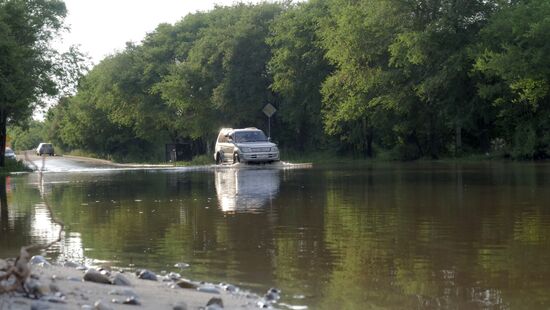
(218, 159)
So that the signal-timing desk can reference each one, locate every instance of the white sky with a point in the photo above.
(102, 27)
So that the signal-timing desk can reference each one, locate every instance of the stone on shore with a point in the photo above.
(93, 275)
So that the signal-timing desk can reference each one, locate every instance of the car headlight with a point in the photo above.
(246, 150)
(274, 149)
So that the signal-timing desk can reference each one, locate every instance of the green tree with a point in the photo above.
(513, 59)
(223, 79)
(27, 67)
(299, 67)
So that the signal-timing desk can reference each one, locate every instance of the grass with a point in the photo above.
(13, 166)
(201, 160)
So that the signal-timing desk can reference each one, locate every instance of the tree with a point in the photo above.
(27, 67)
(513, 58)
(223, 79)
(299, 68)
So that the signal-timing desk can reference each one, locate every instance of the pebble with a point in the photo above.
(214, 303)
(180, 306)
(172, 276)
(229, 287)
(131, 301)
(147, 275)
(54, 288)
(36, 288)
(3, 265)
(183, 283)
(87, 307)
(182, 265)
(101, 305)
(121, 280)
(39, 261)
(70, 264)
(208, 289)
(40, 305)
(93, 276)
(123, 292)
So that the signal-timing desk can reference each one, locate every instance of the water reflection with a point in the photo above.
(246, 190)
(394, 236)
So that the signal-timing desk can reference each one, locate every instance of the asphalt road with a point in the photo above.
(76, 163)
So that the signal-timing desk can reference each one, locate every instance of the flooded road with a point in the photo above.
(390, 236)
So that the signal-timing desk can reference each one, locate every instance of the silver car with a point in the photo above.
(45, 148)
(10, 154)
(244, 146)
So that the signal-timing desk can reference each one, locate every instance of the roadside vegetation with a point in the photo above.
(386, 79)
(13, 166)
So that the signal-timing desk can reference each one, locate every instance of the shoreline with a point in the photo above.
(73, 286)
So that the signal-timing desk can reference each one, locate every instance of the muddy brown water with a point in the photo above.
(389, 236)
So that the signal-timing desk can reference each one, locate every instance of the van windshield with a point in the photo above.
(250, 136)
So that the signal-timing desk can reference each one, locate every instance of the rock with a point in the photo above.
(273, 294)
(58, 299)
(183, 283)
(101, 305)
(208, 289)
(180, 306)
(131, 301)
(87, 307)
(74, 279)
(39, 261)
(40, 305)
(182, 265)
(104, 272)
(274, 290)
(70, 264)
(229, 287)
(36, 288)
(214, 303)
(172, 276)
(147, 275)
(92, 275)
(123, 292)
(272, 297)
(54, 288)
(3, 265)
(121, 280)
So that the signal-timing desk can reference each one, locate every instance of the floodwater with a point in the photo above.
(378, 236)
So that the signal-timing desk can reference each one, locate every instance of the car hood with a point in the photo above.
(256, 144)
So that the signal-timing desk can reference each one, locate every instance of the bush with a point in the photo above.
(12, 165)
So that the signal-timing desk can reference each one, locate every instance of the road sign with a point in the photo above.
(269, 110)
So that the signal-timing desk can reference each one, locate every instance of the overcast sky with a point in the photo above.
(101, 27)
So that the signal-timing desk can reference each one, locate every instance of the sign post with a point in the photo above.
(269, 110)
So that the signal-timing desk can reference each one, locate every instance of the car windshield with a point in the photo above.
(250, 136)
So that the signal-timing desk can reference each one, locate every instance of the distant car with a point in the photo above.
(10, 153)
(45, 148)
(244, 146)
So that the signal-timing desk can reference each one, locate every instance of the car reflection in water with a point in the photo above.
(246, 190)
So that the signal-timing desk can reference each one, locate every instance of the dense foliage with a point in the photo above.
(408, 78)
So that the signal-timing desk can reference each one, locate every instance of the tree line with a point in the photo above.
(407, 79)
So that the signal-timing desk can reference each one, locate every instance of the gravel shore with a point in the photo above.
(72, 286)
